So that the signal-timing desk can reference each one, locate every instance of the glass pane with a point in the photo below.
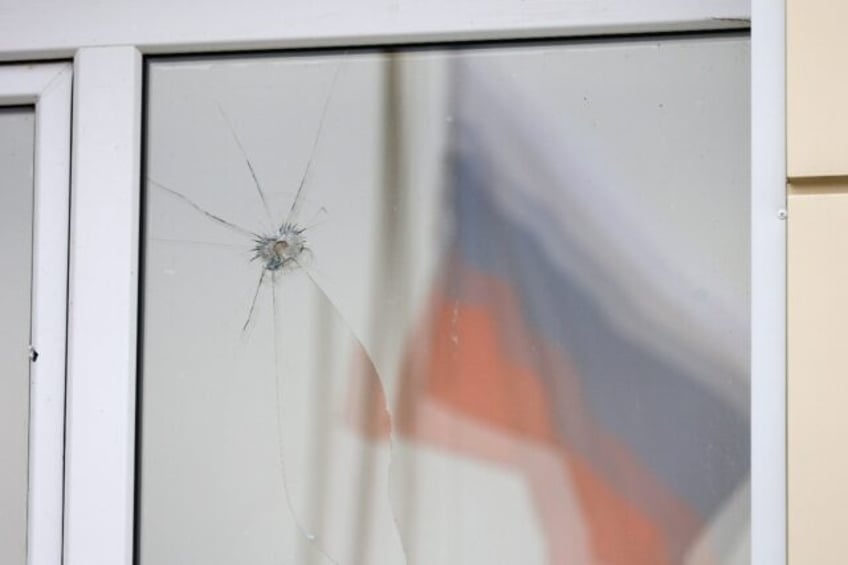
(17, 133)
(458, 305)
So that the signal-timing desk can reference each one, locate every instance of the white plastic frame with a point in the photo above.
(768, 283)
(48, 88)
(36, 30)
(102, 317)
(101, 432)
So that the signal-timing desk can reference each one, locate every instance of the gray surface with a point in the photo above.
(17, 131)
(613, 198)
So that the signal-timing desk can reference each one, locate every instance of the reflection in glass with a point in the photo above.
(17, 134)
(448, 306)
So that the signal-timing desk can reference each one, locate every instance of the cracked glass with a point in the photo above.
(458, 305)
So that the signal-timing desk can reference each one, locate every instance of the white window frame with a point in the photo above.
(107, 42)
(47, 87)
(768, 283)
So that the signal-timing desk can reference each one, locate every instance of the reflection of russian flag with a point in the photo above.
(519, 360)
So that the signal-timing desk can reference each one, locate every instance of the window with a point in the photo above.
(448, 305)
(117, 210)
(35, 153)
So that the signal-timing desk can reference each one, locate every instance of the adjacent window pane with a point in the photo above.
(17, 133)
(455, 306)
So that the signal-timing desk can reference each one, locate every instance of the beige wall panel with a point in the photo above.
(817, 88)
(818, 367)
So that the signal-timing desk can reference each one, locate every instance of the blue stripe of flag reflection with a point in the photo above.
(652, 404)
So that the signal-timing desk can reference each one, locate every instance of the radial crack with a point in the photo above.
(210, 215)
(310, 537)
(385, 408)
(249, 164)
